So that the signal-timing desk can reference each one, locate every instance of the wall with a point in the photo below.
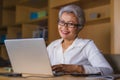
(115, 28)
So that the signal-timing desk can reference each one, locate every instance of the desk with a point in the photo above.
(67, 77)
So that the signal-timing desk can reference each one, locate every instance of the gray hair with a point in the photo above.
(79, 13)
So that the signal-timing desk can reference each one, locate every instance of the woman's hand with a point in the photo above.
(68, 68)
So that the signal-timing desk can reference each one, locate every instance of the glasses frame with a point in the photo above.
(70, 25)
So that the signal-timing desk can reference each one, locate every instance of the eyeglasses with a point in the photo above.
(71, 25)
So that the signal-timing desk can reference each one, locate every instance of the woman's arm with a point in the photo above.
(97, 61)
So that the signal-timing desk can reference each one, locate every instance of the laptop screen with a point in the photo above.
(28, 56)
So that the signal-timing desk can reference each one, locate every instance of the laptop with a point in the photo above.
(29, 56)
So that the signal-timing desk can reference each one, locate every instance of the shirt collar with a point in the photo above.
(76, 43)
(58, 43)
(79, 42)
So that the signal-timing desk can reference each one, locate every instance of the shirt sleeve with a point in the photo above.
(98, 63)
(50, 49)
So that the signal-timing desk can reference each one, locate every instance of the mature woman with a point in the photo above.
(71, 54)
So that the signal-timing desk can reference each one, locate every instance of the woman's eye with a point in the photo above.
(71, 24)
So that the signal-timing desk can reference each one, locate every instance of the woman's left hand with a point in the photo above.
(68, 68)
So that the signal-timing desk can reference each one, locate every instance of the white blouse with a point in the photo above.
(81, 52)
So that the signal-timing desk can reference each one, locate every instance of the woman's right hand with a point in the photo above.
(68, 68)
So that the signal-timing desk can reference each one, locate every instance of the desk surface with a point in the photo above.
(66, 77)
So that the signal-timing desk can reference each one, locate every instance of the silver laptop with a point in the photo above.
(29, 56)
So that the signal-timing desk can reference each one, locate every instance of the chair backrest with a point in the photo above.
(114, 61)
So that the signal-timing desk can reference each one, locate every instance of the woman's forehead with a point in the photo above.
(68, 16)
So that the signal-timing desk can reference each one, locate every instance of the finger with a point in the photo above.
(57, 68)
(59, 65)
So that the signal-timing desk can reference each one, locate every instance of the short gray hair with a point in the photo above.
(79, 13)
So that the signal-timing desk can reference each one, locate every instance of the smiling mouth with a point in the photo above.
(64, 32)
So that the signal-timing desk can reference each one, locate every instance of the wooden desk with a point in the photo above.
(67, 77)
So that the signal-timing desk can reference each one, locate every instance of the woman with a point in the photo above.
(71, 54)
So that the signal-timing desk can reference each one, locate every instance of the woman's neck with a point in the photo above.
(66, 44)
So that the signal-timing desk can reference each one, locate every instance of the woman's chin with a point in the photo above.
(64, 37)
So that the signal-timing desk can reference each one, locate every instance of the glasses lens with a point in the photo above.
(62, 23)
(70, 25)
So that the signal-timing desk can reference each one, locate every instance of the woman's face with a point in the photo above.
(66, 26)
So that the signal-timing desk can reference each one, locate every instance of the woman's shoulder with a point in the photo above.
(83, 41)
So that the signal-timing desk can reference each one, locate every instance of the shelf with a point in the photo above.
(83, 3)
(20, 22)
(23, 14)
(17, 19)
(98, 21)
(8, 4)
(59, 3)
(98, 14)
(41, 21)
(86, 4)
